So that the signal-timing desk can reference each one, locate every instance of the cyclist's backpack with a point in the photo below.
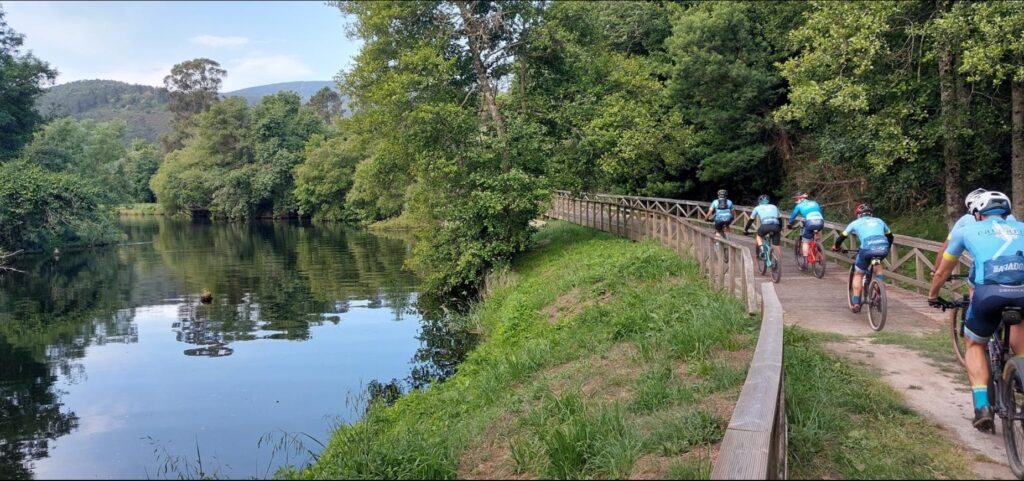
(723, 204)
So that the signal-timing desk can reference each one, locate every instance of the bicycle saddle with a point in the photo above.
(1012, 315)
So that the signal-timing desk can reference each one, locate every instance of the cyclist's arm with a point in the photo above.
(955, 247)
(750, 222)
(942, 260)
(710, 210)
(842, 238)
(889, 236)
(792, 215)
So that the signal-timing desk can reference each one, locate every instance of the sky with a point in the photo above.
(138, 42)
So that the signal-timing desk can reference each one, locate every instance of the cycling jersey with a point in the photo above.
(807, 208)
(766, 213)
(871, 233)
(722, 214)
(968, 219)
(868, 231)
(997, 246)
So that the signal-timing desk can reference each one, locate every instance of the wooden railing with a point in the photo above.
(909, 265)
(754, 446)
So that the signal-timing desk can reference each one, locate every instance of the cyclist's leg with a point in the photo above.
(860, 266)
(805, 238)
(775, 232)
(982, 322)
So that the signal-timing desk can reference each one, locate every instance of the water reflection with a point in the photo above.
(269, 282)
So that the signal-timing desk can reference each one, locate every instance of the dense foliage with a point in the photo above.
(22, 77)
(141, 107)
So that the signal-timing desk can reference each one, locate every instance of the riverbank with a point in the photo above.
(604, 358)
(139, 209)
(600, 358)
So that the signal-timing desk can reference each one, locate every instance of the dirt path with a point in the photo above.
(940, 395)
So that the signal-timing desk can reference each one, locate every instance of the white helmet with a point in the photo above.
(973, 195)
(990, 203)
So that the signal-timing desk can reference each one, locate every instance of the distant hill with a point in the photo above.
(305, 89)
(143, 108)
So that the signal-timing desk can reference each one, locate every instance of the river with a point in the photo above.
(114, 367)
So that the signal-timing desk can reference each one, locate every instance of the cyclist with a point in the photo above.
(814, 220)
(965, 220)
(723, 212)
(997, 246)
(769, 224)
(875, 240)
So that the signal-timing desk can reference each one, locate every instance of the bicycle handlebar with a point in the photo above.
(940, 303)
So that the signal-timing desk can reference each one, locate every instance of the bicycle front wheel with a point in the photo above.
(878, 306)
(776, 269)
(1013, 417)
(956, 334)
(819, 262)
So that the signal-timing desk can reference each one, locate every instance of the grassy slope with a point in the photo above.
(601, 358)
(605, 358)
(140, 209)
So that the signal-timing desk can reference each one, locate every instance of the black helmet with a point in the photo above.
(763, 199)
(722, 194)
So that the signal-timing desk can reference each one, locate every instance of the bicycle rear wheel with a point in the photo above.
(878, 305)
(819, 262)
(956, 334)
(1013, 417)
(776, 269)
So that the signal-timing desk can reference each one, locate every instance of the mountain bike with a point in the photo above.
(767, 260)
(815, 257)
(957, 321)
(872, 293)
(1006, 382)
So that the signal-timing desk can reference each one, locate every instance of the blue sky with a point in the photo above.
(138, 42)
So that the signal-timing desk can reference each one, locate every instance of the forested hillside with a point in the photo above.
(141, 107)
(305, 89)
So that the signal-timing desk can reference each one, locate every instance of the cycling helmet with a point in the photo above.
(991, 203)
(800, 195)
(722, 194)
(763, 199)
(973, 195)
(862, 210)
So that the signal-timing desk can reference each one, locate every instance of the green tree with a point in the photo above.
(138, 166)
(325, 176)
(995, 53)
(22, 77)
(192, 87)
(326, 103)
(93, 151)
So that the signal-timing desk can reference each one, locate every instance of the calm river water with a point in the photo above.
(112, 367)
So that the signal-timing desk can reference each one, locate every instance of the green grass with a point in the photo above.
(400, 223)
(928, 223)
(140, 209)
(598, 356)
(845, 423)
(934, 345)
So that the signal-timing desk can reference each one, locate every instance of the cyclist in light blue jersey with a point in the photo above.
(875, 239)
(723, 212)
(769, 224)
(963, 221)
(814, 220)
(996, 245)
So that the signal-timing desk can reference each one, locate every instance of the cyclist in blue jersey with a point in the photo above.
(814, 220)
(723, 212)
(965, 220)
(996, 245)
(769, 224)
(875, 239)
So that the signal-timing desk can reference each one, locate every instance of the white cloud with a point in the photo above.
(215, 41)
(264, 69)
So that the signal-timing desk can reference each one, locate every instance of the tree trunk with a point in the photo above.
(477, 39)
(1017, 157)
(951, 105)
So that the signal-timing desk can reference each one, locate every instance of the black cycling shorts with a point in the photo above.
(986, 309)
(721, 225)
(774, 230)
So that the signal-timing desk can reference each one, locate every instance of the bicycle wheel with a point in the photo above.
(877, 306)
(819, 262)
(776, 269)
(797, 254)
(762, 262)
(1013, 417)
(956, 334)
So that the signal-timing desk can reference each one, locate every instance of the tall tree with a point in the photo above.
(22, 77)
(192, 88)
(326, 103)
(995, 52)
